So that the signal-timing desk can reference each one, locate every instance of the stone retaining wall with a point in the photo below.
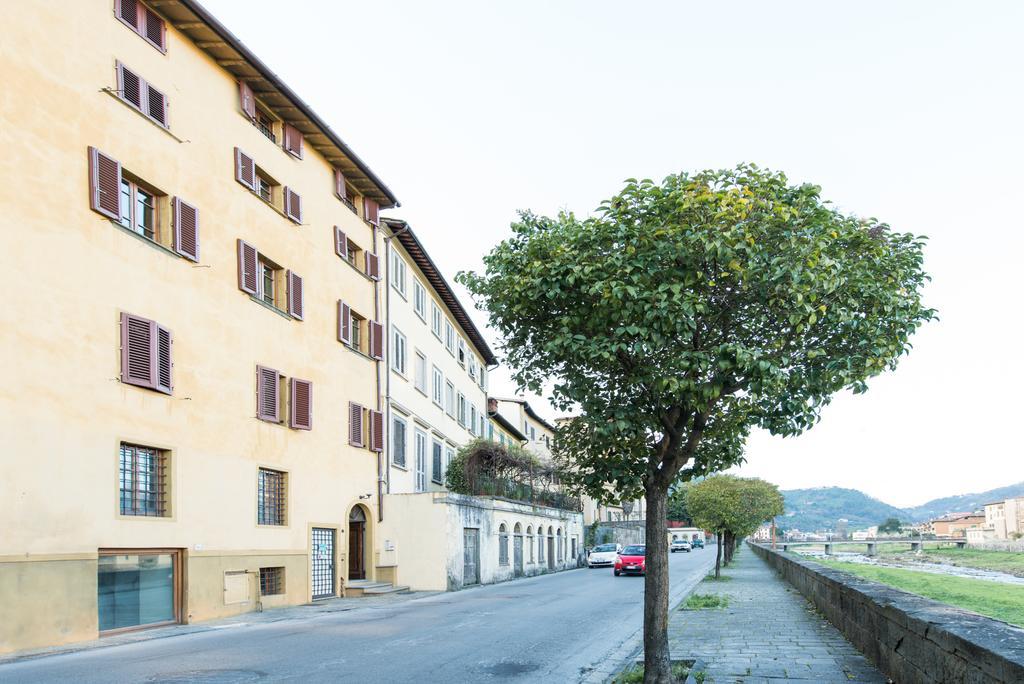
(911, 639)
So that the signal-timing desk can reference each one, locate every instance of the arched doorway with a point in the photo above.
(551, 548)
(357, 543)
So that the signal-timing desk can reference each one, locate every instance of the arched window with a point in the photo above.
(502, 544)
(518, 529)
(561, 546)
(540, 544)
(529, 537)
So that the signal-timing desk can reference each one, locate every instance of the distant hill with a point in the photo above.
(820, 507)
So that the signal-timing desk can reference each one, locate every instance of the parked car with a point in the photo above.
(680, 545)
(698, 543)
(630, 560)
(603, 555)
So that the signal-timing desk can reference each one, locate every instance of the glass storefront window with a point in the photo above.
(136, 590)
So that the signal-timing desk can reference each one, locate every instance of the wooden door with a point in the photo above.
(356, 563)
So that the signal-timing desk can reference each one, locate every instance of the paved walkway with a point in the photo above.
(768, 632)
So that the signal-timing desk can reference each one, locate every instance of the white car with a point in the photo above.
(603, 555)
(680, 545)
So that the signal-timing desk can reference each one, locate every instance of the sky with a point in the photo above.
(911, 112)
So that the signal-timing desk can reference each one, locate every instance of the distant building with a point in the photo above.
(841, 528)
(956, 524)
(869, 533)
(763, 533)
(1003, 520)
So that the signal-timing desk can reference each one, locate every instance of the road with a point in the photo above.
(551, 628)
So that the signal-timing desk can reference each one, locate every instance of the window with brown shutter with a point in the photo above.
(340, 243)
(146, 354)
(376, 340)
(292, 141)
(186, 229)
(292, 205)
(245, 169)
(141, 95)
(371, 210)
(344, 323)
(104, 184)
(156, 105)
(247, 100)
(339, 185)
(268, 398)
(143, 21)
(376, 431)
(355, 424)
(294, 295)
(248, 278)
(301, 400)
(372, 266)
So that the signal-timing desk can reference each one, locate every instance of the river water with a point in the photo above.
(934, 568)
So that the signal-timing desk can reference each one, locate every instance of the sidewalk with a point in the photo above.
(768, 632)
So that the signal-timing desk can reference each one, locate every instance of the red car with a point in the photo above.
(631, 560)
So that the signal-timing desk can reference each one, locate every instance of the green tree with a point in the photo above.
(685, 313)
(732, 507)
(676, 509)
(890, 526)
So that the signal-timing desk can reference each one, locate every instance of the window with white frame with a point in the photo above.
(462, 353)
(421, 460)
(419, 299)
(420, 371)
(398, 273)
(472, 420)
(399, 432)
(483, 379)
(449, 337)
(449, 398)
(437, 389)
(449, 454)
(462, 409)
(483, 419)
(435, 319)
(472, 367)
(397, 351)
(436, 462)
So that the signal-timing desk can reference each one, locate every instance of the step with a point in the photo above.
(371, 588)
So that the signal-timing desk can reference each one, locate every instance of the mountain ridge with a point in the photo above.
(815, 508)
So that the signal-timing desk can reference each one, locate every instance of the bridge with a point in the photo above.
(872, 544)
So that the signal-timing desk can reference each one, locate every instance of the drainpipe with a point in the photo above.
(376, 315)
(383, 471)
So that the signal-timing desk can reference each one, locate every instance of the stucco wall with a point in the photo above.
(911, 639)
(72, 272)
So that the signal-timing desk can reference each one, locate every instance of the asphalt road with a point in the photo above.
(552, 628)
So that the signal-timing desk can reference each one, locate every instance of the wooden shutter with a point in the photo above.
(376, 431)
(130, 86)
(344, 323)
(268, 399)
(245, 169)
(376, 340)
(294, 295)
(138, 351)
(301, 413)
(372, 265)
(340, 243)
(248, 276)
(155, 29)
(156, 105)
(371, 210)
(104, 184)
(128, 12)
(186, 229)
(339, 184)
(355, 424)
(292, 140)
(292, 205)
(247, 99)
(164, 361)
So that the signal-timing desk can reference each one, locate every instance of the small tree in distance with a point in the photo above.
(684, 314)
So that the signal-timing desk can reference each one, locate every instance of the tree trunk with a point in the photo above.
(718, 555)
(657, 666)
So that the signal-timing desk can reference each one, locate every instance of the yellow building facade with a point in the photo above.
(193, 429)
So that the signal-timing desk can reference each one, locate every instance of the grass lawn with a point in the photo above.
(701, 601)
(994, 599)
